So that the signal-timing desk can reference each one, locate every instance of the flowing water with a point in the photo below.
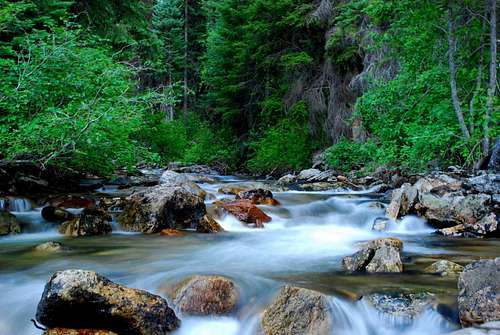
(303, 245)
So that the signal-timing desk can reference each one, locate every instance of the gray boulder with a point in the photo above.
(444, 268)
(9, 224)
(380, 255)
(84, 299)
(479, 292)
(90, 222)
(298, 311)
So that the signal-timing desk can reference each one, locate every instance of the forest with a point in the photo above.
(258, 86)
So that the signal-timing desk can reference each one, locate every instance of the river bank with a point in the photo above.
(317, 220)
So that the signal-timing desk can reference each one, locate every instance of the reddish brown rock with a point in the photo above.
(172, 233)
(66, 331)
(245, 211)
(204, 295)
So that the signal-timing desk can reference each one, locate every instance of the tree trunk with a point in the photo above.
(186, 41)
(479, 77)
(493, 75)
(452, 44)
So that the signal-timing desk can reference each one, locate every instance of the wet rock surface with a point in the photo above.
(245, 211)
(9, 224)
(298, 311)
(49, 247)
(79, 299)
(488, 328)
(402, 305)
(258, 197)
(204, 295)
(162, 207)
(90, 222)
(479, 292)
(66, 331)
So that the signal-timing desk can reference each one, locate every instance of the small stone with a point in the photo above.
(49, 247)
(380, 224)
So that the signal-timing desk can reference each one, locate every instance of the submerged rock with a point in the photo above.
(479, 292)
(90, 222)
(247, 212)
(84, 299)
(380, 224)
(298, 311)
(49, 247)
(380, 255)
(444, 268)
(161, 207)
(205, 295)
(402, 305)
(9, 224)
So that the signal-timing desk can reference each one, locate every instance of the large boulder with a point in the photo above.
(204, 295)
(380, 255)
(452, 210)
(444, 268)
(9, 224)
(171, 178)
(79, 299)
(479, 292)
(298, 311)
(486, 183)
(245, 211)
(90, 222)
(161, 207)
(402, 202)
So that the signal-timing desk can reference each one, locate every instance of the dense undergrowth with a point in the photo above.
(256, 85)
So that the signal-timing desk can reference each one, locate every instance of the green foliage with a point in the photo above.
(286, 146)
(347, 155)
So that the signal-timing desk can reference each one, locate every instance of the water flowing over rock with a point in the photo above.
(9, 224)
(247, 212)
(489, 328)
(444, 268)
(161, 207)
(90, 222)
(479, 292)
(84, 299)
(208, 225)
(381, 255)
(298, 311)
(204, 295)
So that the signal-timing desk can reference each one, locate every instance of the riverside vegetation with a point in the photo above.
(249, 167)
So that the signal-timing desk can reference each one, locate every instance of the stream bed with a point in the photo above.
(303, 246)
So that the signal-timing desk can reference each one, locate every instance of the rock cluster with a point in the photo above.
(457, 207)
(381, 255)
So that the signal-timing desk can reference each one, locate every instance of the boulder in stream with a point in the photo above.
(401, 305)
(80, 299)
(245, 211)
(49, 247)
(298, 311)
(171, 178)
(204, 295)
(380, 255)
(479, 292)
(56, 214)
(258, 197)
(208, 225)
(161, 207)
(488, 328)
(90, 222)
(9, 224)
